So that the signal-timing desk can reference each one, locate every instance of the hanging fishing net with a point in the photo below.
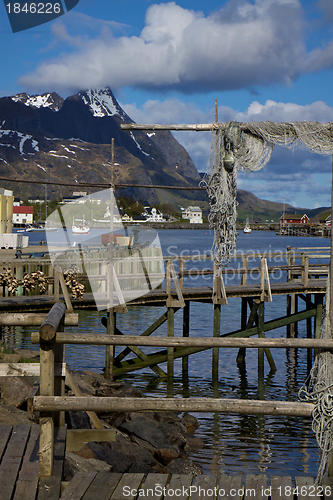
(234, 147)
(238, 146)
(318, 390)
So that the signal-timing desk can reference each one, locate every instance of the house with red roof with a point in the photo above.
(294, 219)
(23, 215)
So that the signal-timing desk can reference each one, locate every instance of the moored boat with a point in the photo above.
(247, 229)
(81, 228)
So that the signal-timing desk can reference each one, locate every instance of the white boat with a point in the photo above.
(35, 228)
(154, 216)
(81, 228)
(247, 228)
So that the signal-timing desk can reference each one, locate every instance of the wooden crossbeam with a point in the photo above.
(205, 127)
(138, 352)
(95, 403)
(172, 275)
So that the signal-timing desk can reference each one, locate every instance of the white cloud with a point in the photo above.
(298, 174)
(243, 45)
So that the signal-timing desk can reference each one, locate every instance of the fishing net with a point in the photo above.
(249, 146)
(238, 146)
(318, 390)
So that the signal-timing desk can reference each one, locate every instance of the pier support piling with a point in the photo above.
(216, 333)
(170, 333)
(109, 350)
(240, 360)
(309, 332)
(186, 333)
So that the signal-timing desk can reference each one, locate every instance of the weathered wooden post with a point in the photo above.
(308, 330)
(56, 274)
(292, 307)
(60, 374)
(47, 334)
(240, 360)
(181, 271)
(261, 360)
(170, 333)
(319, 299)
(288, 256)
(109, 350)
(186, 333)
(216, 333)
(244, 274)
(19, 277)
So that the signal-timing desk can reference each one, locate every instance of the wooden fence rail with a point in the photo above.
(297, 266)
(138, 340)
(51, 401)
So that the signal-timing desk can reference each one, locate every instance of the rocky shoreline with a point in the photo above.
(159, 442)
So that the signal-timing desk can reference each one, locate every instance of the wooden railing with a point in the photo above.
(52, 401)
(299, 266)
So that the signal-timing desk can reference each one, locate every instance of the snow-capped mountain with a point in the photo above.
(44, 137)
(102, 102)
(52, 101)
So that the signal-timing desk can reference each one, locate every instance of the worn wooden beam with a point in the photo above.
(46, 422)
(118, 404)
(77, 391)
(33, 319)
(206, 127)
(151, 329)
(28, 369)
(52, 321)
(161, 357)
(204, 342)
(138, 352)
(76, 438)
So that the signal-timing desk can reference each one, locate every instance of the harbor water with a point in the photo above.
(234, 444)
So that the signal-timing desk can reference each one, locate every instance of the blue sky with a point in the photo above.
(166, 62)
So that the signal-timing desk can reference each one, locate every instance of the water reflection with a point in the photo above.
(233, 443)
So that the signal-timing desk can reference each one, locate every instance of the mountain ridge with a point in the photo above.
(47, 138)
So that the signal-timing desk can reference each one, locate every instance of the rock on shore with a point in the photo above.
(145, 442)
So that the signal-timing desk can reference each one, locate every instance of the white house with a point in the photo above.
(23, 215)
(194, 214)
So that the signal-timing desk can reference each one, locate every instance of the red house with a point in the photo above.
(294, 219)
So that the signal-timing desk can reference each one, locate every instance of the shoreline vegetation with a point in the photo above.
(159, 442)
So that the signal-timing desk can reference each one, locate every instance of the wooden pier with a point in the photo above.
(303, 282)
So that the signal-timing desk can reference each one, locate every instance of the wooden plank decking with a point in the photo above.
(19, 463)
(132, 486)
(19, 479)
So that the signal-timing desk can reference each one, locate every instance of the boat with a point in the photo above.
(154, 216)
(81, 228)
(28, 228)
(247, 229)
